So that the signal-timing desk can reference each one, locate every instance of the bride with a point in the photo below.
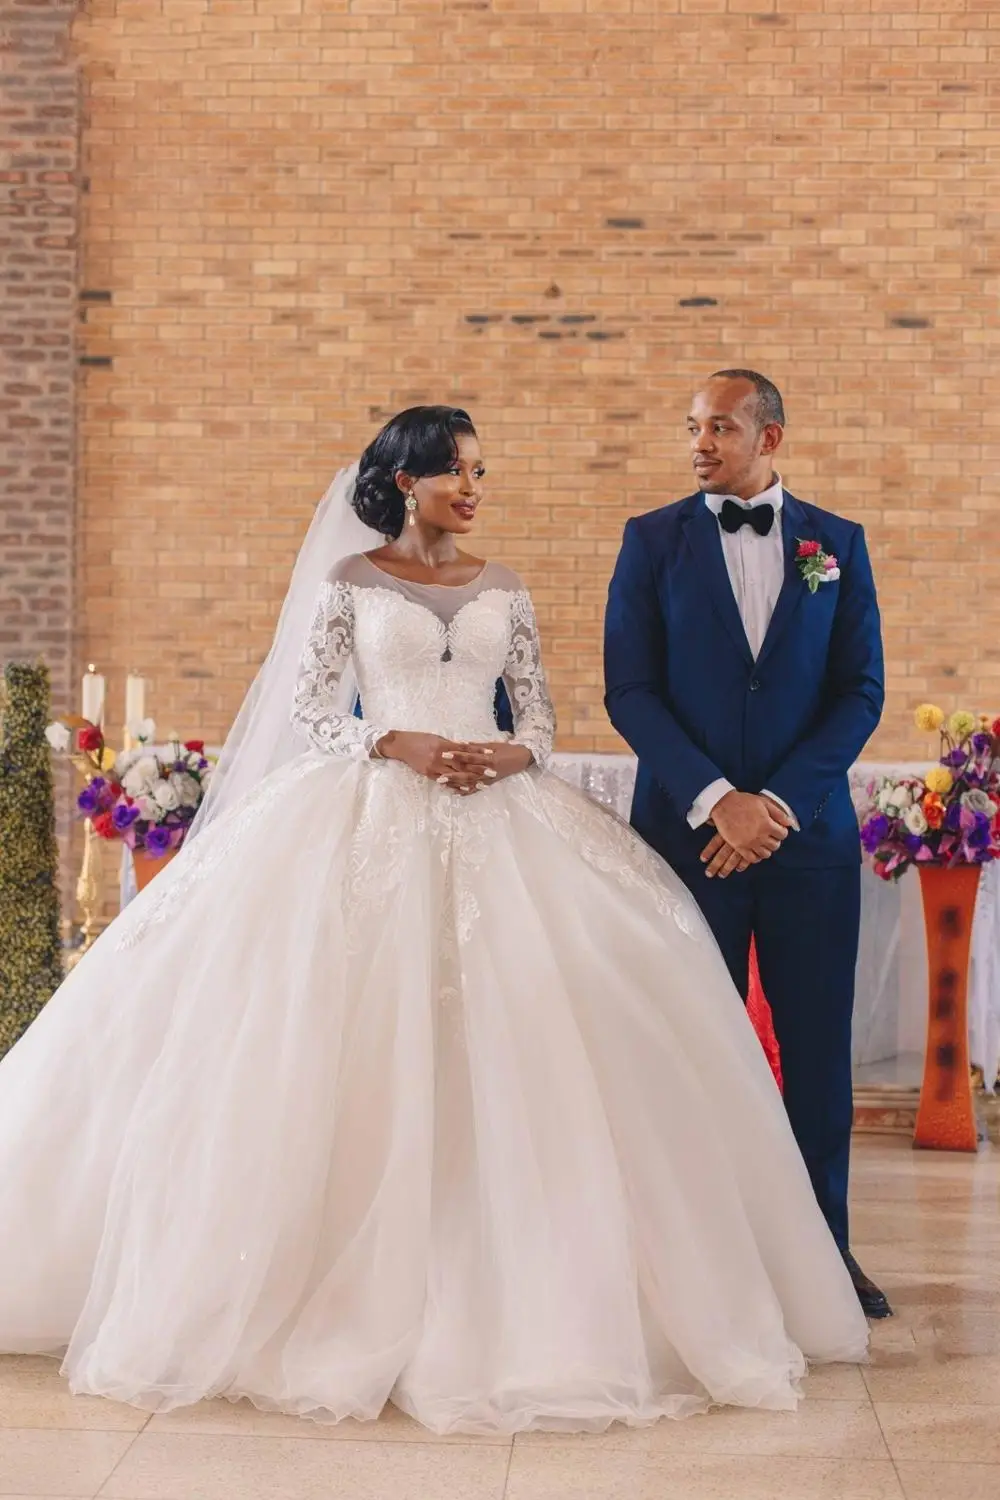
(417, 1077)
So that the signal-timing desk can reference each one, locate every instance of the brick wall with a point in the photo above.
(39, 129)
(305, 214)
(39, 212)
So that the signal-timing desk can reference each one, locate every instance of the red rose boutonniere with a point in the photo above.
(815, 565)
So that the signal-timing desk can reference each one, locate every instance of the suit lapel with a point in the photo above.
(702, 533)
(795, 527)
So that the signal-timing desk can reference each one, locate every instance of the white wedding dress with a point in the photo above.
(379, 1093)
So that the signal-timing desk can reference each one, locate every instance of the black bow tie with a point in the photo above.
(733, 516)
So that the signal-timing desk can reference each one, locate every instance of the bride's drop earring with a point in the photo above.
(411, 506)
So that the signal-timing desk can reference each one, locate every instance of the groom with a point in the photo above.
(747, 693)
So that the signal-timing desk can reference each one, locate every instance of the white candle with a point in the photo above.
(135, 703)
(93, 697)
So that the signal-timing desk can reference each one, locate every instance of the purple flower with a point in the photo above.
(914, 843)
(158, 841)
(874, 831)
(979, 836)
(981, 743)
(955, 759)
(953, 817)
(89, 799)
(123, 816)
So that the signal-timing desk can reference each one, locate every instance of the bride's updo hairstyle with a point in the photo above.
(420, 441)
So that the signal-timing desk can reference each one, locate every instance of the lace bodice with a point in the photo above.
(426, 658)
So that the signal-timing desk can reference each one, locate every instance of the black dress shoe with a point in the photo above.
(874, 1302)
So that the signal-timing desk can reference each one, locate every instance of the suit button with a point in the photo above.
(754, 684)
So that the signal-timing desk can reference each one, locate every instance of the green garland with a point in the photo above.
(30, 953)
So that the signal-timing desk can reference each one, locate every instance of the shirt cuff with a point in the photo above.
(784, 807)
(701, 808)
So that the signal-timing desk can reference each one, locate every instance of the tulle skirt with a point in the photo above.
(381, 1094)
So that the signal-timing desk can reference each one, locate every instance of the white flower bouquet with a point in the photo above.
(146, 797)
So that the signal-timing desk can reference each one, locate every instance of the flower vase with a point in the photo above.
(147, 865)
(946, 1119)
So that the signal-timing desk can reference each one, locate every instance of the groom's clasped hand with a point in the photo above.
(749, 827)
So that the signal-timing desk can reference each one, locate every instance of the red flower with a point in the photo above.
(90, 738)
(104, 826)
(809, 549)
(195, 746)
(996, 728)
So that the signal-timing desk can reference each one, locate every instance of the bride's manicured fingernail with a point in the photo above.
(489, 772)
(447, 755)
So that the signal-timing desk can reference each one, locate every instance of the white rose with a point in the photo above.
(124, 763)
(142, 777)
(978, 801)
(146, 731)
(902, 797)
(831, 575)
(149, 810)
(915, 820)
(165, 795)
(883, 799)
(187, 789)
(58, 736)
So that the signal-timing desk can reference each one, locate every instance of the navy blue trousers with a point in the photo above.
(806, 925)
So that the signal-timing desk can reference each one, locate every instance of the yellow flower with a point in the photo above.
(108, 759)
(961, 724)
(939, 780)
(929, 718)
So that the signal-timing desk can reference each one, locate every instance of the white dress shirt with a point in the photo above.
(756, 568)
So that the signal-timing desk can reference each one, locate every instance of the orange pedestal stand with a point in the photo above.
(946, 1118)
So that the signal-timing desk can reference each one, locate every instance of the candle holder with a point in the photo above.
(88, 761)
(88, 894)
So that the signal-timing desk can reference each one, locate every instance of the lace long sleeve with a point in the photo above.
(524, 679)
(321, 709)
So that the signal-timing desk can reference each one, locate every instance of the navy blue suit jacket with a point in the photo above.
(685, 693)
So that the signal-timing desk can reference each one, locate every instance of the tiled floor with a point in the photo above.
(922, 1422)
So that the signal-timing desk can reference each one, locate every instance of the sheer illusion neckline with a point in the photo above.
(415, 584)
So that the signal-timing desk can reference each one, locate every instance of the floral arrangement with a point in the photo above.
(146, 797)
(951, 815)
(816, 566)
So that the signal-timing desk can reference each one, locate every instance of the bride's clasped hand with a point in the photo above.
(463, 768)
